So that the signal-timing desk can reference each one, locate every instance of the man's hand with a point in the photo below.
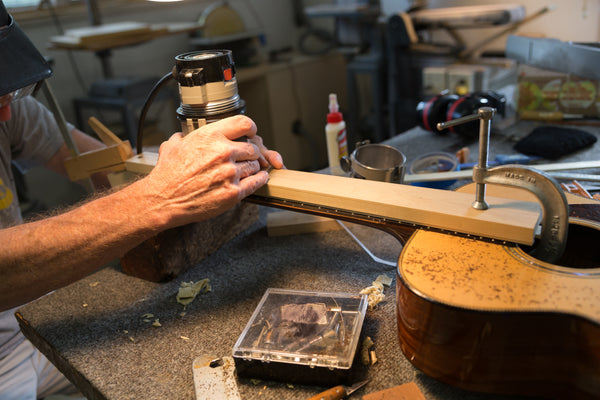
(196, 177)
(206, 172)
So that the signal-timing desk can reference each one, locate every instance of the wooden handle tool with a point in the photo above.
(339, 392)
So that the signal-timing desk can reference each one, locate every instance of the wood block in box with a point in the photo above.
(172, 252)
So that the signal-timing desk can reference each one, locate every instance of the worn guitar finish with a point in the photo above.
(491, 318)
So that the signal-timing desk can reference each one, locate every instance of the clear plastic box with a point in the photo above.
(300, 336)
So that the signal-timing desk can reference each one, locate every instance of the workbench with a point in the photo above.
(95, 330)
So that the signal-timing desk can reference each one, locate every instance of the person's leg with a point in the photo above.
(26, 374)
(49, 379)
(18, 379)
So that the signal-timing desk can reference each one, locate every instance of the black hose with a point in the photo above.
(146, 107)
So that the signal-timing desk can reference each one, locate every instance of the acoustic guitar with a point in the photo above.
(489, 317)
(474, 310)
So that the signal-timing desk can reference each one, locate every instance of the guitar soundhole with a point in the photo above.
(582, 248)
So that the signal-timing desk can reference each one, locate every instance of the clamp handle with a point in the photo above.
(485, 115)
(555, 209)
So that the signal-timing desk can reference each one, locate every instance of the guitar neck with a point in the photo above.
(390, 206)
(380, 203)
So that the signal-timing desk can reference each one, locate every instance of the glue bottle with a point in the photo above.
(335, 135)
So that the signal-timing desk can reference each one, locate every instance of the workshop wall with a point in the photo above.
(571, 20)
(154, 58)
(576, 20)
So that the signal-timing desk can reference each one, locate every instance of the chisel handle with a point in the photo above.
(335, 393)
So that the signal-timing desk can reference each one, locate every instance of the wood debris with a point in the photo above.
(375, 291)
(365, 351)
(189, 290)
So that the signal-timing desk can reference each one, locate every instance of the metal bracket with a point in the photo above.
(555, 211)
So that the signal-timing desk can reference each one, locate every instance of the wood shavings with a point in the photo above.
(147, 317)
(189, 290)
(84, 305)
(367, 356)
(373, 357)
(365, 351)
(94, 284)
(184, 337)
(386, 280)
(375, 291)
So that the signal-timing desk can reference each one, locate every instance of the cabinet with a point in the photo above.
(288, 101)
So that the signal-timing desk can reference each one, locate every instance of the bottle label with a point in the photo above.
(342, 143)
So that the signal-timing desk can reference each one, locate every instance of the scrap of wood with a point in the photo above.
(109, 36)
(282, 223)
(142, 163)
(408, 391)
(106, 35)
(109, 158)
(106, 135)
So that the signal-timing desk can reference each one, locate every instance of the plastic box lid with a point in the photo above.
(315, 329)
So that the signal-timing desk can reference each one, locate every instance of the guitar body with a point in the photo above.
(489, 318)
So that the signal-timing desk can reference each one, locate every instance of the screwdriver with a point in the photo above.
(339, 392)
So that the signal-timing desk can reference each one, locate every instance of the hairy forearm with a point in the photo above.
(197, 177)
(44, 255)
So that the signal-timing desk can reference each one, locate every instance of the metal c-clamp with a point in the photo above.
(555, 211)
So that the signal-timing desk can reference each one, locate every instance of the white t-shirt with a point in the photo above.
(30, 135)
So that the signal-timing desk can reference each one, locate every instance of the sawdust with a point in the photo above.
(374, 292)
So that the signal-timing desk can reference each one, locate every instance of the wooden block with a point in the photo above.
(109, 158)
(106, 32)
(408, 391)
(282, 223)
(120, 178)
(174, 251)
(106, 135)
(142, 163)
(506, 219)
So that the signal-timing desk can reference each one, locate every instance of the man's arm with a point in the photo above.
(196, 177)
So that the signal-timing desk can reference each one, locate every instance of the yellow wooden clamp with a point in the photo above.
(111, 158)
